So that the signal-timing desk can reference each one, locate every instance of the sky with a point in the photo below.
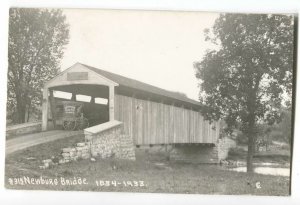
(155, 47)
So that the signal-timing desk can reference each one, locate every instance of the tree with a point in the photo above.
(285, 126)
(248, 76)
(35, 47)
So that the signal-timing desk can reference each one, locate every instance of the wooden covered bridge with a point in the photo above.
(149, 114)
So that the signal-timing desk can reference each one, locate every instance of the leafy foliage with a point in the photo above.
(284, 128)
(36, 42)
(248, 77)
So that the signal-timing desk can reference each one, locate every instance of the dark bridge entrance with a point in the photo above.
(93, 98)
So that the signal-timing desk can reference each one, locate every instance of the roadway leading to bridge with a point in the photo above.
(29, 140)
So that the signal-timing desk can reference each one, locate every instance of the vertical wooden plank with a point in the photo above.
(158, 119)
(175, 124)
(45, 109)
(177, 128)
(52, 108)
(215, 132)
(143, 119)
(162, 115)
(171, 128)
(166, 127)
(179, 125)
(168, 121)
(184, 137)
(116, 107)
(151, 131)
(155, 122)
(111, 103)
(133, 126)
(164, 106)
(187, 113)
(161, 129)
(205, 131)
(183, 129)
(136, 116)
(179, 136)
(182, 124)
(140, 119)
(144, 110)
(191, 125)
(195, 126)
(130, 122)
(200, 128)
(150, 122)
(173, 132)
(209, 132)
(126, 114)
(136, 111)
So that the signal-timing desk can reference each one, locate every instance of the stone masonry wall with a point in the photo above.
(80, 151)
(223, 147)
(105, 144)
(111, 143)
(68, 154)
(126, 147)
(25, 128)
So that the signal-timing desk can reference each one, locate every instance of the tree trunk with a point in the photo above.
(251, 134)
(28, 114)
(250, 153)
(21, 112)
(21, 109)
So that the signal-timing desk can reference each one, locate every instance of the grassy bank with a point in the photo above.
(149, 173)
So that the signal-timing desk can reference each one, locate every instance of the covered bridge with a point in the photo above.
(150, 115)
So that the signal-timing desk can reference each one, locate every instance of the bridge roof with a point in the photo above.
(129, 83)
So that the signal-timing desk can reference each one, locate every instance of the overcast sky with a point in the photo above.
(155, 47)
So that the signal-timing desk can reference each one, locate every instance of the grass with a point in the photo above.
(157, 174)
(278, 155)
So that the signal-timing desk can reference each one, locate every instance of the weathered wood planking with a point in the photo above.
(157, 123)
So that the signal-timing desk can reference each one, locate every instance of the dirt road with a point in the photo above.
(29, 140)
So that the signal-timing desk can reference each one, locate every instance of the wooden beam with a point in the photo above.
(111, 103)
(45, 110)
(52, 108)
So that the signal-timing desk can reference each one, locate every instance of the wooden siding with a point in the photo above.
(157, 123)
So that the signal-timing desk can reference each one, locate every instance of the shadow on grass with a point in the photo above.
(151, 168)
